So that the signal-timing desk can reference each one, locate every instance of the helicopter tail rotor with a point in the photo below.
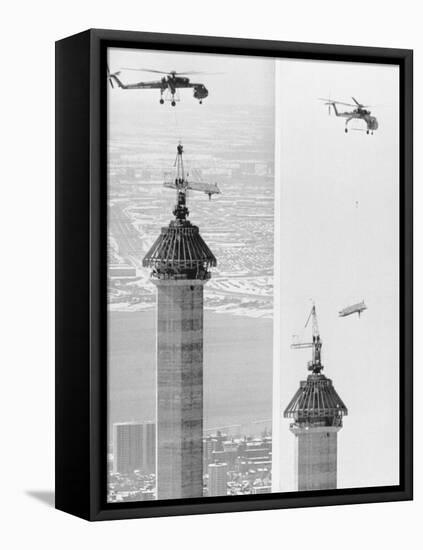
(329, 103)
(330, 106)
(111, 76)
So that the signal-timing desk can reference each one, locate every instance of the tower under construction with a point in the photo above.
(180, 261)
(317, 411)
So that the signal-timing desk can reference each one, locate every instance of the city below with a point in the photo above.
(232, 464)
(237, 225)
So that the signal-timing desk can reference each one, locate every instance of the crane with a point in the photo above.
(315, 365)
(182, 185)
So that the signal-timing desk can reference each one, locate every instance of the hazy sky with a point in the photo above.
(338, 244)
(240, 80)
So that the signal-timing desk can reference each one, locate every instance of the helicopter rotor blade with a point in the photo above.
(334, 102)
(144, 70)
(181, 73)
(176, 73)
(360, 104)
(193, 72)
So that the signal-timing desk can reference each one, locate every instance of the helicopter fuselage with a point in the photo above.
(361, 114)
(169, 83)
(173, 82)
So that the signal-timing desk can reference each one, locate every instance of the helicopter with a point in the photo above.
(168, 84)
(360, 112)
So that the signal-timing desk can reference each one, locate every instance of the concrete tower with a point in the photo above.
(180, 262)
(317, 411)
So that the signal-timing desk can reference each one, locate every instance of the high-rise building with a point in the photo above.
(127, 447)
(218, 479)
(149, 447)
(229, 456)
(230, 445)
(317, 412)
(180, 262)
(207, 452)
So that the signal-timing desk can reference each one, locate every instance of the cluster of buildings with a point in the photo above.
(231, 465)
(237, 466)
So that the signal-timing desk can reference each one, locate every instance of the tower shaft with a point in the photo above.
(180, 262)
(316, 457)
(179, 388)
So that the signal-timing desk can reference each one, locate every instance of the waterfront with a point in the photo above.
(237, 368)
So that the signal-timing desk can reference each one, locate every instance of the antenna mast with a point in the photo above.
(181, 210)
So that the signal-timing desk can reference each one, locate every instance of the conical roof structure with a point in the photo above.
(316, 399)
(180, 249)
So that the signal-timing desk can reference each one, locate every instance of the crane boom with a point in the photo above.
(315, 365)
(313, 317)
(182, 185)
(302, 345)
(207, 188)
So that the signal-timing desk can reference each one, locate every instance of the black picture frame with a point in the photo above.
(81, 352)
